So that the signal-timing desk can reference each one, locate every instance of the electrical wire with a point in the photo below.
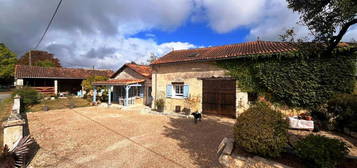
(49, 24)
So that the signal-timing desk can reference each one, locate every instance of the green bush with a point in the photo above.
(28, 95)
(160, 104)
(261, 130)
(320, 151)
(343, 108)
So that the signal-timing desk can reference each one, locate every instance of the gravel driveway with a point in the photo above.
(102, 137)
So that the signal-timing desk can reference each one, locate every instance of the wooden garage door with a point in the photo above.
(219, 97)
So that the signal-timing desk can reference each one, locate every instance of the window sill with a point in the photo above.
(180, 98)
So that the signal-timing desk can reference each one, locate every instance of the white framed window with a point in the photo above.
(178, 88)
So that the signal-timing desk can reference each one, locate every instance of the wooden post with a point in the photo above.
(94, 94)
(127, 87)
(56, 87)
(109, 95)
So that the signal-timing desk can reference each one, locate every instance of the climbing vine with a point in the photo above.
(295, 79)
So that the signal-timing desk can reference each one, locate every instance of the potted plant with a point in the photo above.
(45, 107)
(160, 104)
(191, 103)
(70, 102)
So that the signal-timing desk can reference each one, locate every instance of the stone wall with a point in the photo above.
(13, 127)
(128, 73)
(241, 101)
(190, 74)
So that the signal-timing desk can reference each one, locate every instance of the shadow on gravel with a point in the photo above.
(201, 140)
(34, 147)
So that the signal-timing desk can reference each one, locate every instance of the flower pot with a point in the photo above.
(45, 108)
(160, 108)
(187, 111)
(71, 106)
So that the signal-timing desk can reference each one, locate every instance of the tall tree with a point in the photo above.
(7, 64)
(40, 58)
(328, 20)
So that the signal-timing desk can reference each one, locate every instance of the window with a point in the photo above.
(178, 89)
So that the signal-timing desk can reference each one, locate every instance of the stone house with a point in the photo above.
(54, 80)
(129, 85)
(189, 79)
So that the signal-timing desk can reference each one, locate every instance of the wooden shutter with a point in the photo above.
(186, 89)
(169, 90)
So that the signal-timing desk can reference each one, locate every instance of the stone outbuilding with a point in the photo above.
(54, 80)
(129, 85)
(190, 79)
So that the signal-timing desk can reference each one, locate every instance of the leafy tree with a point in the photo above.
(7, 63)
(328, 20)
(87, 84)
(152, 58)
(40, 58)
(45, 63)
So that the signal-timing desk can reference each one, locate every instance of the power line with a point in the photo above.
(49, 24)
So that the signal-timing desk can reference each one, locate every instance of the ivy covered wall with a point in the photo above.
(294, 80)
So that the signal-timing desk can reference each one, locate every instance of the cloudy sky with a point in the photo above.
(109, 33)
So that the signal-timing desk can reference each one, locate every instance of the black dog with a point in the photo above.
(197, 116)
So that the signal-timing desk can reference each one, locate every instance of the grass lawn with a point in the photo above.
(59, 104)
(5, 109)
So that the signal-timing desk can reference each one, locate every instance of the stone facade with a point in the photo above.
(128, 73)
(190, 74)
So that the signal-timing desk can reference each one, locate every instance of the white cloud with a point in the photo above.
(226, 15)
(101, 33)
(111, 52)
(277, 19)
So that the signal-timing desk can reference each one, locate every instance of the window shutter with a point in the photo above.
(141, 93)
(169, 90)
(185, 90)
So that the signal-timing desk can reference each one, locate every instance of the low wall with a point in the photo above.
(14, 126)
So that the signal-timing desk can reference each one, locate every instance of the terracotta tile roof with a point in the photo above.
(226, 51)
(118, 82)
(143, 70)
(24, 71)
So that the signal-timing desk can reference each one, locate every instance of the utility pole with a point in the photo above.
(30, 61)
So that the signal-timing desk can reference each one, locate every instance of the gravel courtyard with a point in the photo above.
(104, 137)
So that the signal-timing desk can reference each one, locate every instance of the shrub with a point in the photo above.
(343, 108)
(28, 95)
(159, 103)
(261, 130)
(320, 151)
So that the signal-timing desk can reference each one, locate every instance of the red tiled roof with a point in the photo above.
(226, 51)
(24, 71)
(118, 82)
(143, 70)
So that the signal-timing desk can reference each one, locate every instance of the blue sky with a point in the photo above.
(107, 34)
(197, 33)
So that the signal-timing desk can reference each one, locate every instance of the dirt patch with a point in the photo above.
(60, 104)
(103, 137)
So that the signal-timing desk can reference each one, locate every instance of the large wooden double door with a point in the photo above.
(219, 97)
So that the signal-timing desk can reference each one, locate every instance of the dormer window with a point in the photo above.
(193, 55)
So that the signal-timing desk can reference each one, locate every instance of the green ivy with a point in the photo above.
(294, 79)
